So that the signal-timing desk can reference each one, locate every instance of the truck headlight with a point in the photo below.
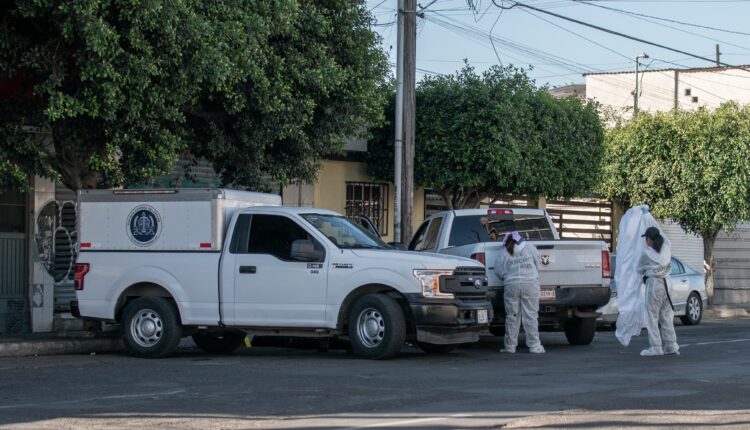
(430, 281)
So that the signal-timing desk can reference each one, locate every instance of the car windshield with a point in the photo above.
(343, 232)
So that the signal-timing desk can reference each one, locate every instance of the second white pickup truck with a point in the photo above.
(574, 274)
(218, 264)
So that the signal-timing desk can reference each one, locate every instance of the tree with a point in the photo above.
(261, 89)
(484, 135)
(689, 166)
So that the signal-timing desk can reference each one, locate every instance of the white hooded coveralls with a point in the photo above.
(520, 276)
(659, 313)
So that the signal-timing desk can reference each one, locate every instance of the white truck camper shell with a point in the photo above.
(185, 219)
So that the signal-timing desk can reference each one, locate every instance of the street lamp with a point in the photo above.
(635, 94)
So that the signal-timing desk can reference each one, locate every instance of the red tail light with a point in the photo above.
(606, 267)
(81, 270)
(499, 212)
(479, 256)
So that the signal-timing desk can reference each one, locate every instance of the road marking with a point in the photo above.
(90, 399)
(715, 342)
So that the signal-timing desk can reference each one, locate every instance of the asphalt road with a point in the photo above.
(599, 386)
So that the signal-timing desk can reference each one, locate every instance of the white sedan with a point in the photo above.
(689, 299)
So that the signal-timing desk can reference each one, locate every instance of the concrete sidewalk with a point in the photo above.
(52, 344)
(724, 312)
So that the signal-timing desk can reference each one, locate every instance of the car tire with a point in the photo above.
(377, 327)
(219, 342)
(580, 331)
(693, 310)
(151, 327)
(435, 348)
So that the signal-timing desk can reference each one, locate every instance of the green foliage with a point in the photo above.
(689, 166)
(261, 89)
(495, 133)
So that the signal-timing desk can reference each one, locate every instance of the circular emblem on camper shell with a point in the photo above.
(144, 225)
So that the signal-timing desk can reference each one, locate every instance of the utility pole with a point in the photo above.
(398, 139)
(637, 83)
(410, 101)
(718, 56)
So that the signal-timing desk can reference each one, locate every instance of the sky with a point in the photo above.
(560, 51)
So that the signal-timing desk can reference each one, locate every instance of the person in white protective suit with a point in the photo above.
(517, 266)
(654, 266)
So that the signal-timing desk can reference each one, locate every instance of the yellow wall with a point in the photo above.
(330, 191)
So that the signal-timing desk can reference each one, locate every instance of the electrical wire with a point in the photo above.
(593, 3)
(617, 33)
(633, 15)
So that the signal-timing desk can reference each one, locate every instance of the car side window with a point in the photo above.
(241, 235)
(676, 268)
(274, 235)
(432, 235)
(416, 242)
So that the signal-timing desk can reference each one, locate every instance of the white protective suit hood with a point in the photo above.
(630, 290)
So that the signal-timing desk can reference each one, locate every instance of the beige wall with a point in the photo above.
(658, 92)
(329, 192)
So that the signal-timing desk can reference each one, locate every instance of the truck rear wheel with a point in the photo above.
(377, 327)
(220, 342)
(580, 331)
(151, 327)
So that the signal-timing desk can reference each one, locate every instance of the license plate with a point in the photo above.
(482, 316)
(547, 294)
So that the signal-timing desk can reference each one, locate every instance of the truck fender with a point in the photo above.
(148, 275)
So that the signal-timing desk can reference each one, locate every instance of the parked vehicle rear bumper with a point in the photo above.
(448, 321)
(569, 302)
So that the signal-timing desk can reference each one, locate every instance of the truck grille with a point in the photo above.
(463, 283)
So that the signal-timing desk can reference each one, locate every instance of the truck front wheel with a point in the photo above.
(151, 327)
(219, 343)
(580, 331)
(377, 327)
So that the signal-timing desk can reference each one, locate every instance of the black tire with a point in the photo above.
(219, 342)
(151, 327)
(434, 348)
(693, 310)
(580, 331)
(497, 331)
(377, 327)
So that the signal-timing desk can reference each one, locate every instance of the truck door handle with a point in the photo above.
(248, 269)
(683, 280)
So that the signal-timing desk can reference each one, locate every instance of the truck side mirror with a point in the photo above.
(305, 250)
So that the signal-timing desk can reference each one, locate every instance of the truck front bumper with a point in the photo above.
(448, 321)
(568, 302)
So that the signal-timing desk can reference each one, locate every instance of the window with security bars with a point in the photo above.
(369, 199)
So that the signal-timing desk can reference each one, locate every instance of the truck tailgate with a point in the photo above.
(565, 263)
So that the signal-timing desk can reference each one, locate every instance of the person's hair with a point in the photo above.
(510, 246)
(658, 243)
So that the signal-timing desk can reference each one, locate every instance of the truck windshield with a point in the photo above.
(344, 233)
(470, 229)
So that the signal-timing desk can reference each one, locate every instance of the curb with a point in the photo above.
(59, 346)
(715, 312)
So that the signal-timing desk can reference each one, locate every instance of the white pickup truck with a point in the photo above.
(218, 264)
(574, 274)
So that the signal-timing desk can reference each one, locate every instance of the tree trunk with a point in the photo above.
(709, 239)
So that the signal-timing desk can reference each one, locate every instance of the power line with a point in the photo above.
(592, 3)
(617, 33)
(576, 34)
(637, 16)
